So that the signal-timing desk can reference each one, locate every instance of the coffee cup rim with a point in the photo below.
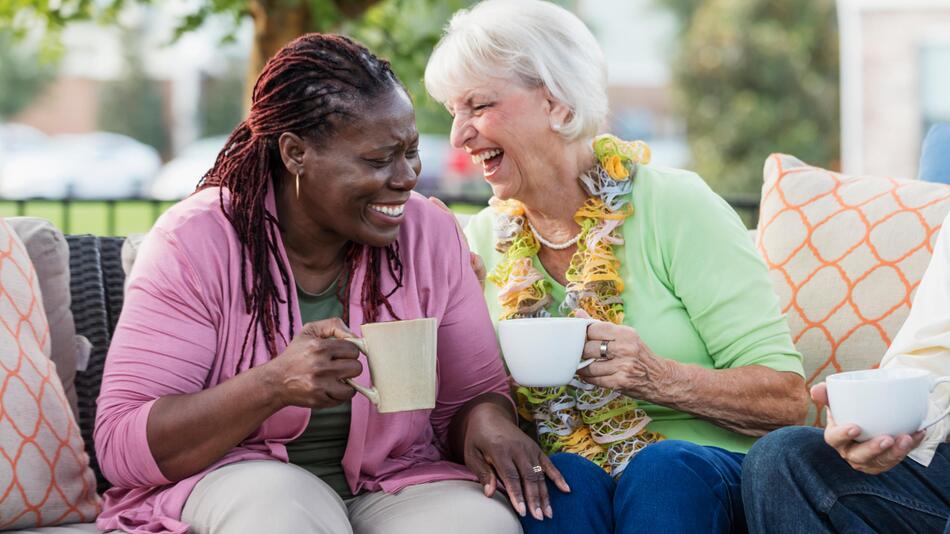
(538, 320)
(876, 375)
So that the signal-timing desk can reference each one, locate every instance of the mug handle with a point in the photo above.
(584, 363)
(936, 419)
(370, 393)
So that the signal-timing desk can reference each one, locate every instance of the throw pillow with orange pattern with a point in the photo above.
(845, 254)
(44, 470)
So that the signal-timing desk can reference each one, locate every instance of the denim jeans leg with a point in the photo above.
(794, 482)
(678, 486)
(587, 508)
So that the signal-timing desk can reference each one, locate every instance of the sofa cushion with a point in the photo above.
(845, 254)
(44, 471)
(75, 528)
(49, 254)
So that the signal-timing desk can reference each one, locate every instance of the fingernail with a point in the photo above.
(548, 512)
(521, 509)
(487, 490)
(886, 442)
(853, 432)
(537, 514)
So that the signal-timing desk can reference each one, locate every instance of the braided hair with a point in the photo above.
(309, 88)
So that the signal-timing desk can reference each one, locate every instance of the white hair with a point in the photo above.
(532, 42)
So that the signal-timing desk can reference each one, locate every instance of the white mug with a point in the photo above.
(401, 356)
(883, 401)
(544, 352)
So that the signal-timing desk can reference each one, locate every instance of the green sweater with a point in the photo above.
(320, 448)
(695, 289)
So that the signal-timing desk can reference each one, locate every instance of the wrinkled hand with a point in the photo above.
(873, 456)
(478, 265)
(630, 365)
(498, 452)
(311, 369)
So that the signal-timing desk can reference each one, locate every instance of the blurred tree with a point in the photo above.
(138, 97)
(754, 77)
(22, 76)
(403, 31)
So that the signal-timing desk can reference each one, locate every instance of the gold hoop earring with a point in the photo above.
(297, 182)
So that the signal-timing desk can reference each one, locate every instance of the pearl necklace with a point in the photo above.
(550, 245)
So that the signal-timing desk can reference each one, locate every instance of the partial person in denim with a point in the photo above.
(806, 480)
(693, 358)
(935, 154)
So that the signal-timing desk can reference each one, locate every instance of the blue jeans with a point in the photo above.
(793, 482)
(671, 486)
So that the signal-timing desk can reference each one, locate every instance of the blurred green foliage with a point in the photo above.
(23, 74)
(754, 77)
(405, 32)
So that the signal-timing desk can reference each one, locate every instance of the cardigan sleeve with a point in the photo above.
(164, 344)
(469, 360)
(924, 341)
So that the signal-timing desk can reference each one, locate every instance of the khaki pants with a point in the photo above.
(269, 496)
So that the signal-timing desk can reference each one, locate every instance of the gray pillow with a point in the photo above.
(49, 254)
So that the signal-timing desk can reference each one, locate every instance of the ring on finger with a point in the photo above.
(603, 349)
(537, 468)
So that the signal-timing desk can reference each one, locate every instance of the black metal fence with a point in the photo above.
(123, 216)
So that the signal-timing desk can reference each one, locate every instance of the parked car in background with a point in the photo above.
(177, 178)
(97, 165)
(448, 171)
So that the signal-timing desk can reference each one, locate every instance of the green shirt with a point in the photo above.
(321, 447)
(695, 289)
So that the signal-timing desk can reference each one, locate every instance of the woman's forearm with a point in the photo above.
(187, 433)
(751, 400)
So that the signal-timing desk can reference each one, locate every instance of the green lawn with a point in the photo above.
(129, 216)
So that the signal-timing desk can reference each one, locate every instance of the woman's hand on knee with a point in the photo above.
(311, 370)
(873, 456)
(499, 453)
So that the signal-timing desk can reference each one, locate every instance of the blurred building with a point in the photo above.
(895, 81)
(96, 56)
(639, 39)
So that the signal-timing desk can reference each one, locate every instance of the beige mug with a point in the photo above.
(401, 356)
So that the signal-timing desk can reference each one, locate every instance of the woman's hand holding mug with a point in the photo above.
(312, 369)
(881, 414)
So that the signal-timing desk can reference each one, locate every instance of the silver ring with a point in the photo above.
(603, 349)
(537, 469)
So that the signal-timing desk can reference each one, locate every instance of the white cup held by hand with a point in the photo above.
(883, 401)
(544, 352)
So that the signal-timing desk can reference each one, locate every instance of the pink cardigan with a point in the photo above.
(181, 329)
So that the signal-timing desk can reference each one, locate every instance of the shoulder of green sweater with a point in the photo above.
(480, 231)
(667, 194)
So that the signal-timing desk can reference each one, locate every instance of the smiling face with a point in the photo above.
(355, 184)
(508, 130)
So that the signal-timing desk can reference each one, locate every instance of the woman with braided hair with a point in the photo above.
(693, 359)
(223, 406)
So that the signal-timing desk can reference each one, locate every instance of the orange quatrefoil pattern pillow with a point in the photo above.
(44, 471)
(845, 255)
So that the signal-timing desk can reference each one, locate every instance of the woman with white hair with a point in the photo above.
(693, 358)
